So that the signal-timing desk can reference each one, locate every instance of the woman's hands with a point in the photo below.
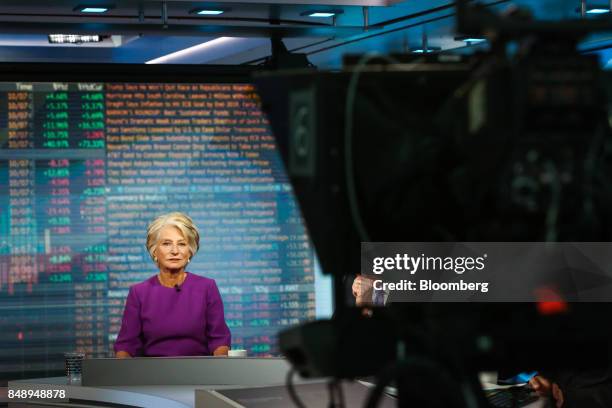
(545, 388)
(221, 351)
(122, 354)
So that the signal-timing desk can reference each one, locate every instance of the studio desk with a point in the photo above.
(181, 382)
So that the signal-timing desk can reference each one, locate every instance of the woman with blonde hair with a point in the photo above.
(174, 313)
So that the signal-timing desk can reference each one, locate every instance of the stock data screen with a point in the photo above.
(84, 167)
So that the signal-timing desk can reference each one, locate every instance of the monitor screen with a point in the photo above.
(85, 166)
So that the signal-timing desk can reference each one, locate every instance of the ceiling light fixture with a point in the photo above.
(93, 9)
(74, 38)
(471, 40)
(321, 13)
(422, 51)
(209, 11)
(597, 10)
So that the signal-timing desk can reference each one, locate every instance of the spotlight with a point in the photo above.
(321, 13)
(93, 9)
(208, 11)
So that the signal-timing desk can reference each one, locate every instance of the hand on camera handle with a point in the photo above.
(362, 290)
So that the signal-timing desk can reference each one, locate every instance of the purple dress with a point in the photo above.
(161, 321)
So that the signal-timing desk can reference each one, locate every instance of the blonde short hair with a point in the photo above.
(176, 219)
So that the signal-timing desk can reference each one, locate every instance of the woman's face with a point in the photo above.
(172, 250)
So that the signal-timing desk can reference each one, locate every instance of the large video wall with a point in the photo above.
(84, 167)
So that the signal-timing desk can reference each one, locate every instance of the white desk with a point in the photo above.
(254, 371)
(165, 382)
(154, 396)
(160, 382)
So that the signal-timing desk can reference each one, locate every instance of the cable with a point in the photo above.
(384, 379)
(348, 146)
(336, 396)
(291, 389)
(405, 27)
(552, 214)
(591, 163)
(348, 136)
(340, 394)
(332, 397)
(414, 363)
(263, 59)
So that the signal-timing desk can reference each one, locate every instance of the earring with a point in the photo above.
(155, 259)
(188, 260)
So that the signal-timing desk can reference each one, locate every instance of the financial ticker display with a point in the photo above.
(84, 167)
